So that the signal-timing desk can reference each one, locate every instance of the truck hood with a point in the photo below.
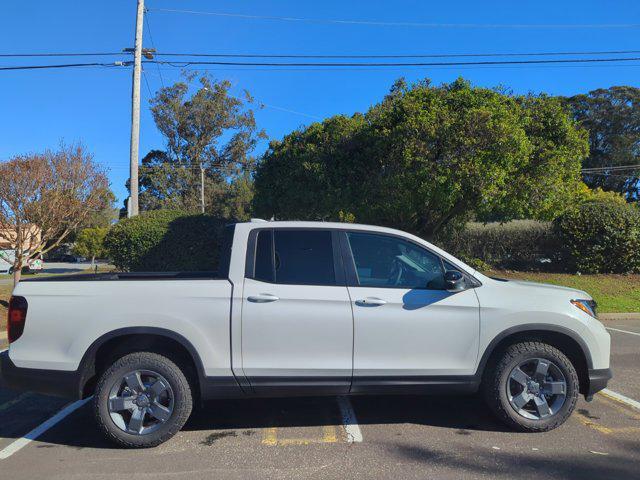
(577, 294)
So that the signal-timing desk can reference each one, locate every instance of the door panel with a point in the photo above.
(302, 339)
(406, 324)
(414, 332)
(297, 323)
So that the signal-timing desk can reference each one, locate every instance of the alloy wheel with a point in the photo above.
(141, 402)
(536, 388)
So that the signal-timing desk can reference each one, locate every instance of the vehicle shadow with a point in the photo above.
(462, 413)
(459, 412)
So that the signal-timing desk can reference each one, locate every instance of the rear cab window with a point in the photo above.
(296, 257)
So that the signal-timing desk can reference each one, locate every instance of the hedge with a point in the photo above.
(519, 244)
(165, 240)
(601, 237)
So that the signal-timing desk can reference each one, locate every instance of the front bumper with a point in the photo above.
(598, 380)
(58, 383)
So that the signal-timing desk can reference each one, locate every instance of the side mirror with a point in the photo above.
(454, 281)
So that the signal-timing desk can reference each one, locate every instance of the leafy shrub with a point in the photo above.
(165, 240)
(519, 244)
(476, 263)
(585, 194)
(602, 237)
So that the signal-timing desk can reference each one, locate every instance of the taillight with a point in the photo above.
(16, 318)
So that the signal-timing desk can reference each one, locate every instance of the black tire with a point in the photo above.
(495, 386)
(182, 399)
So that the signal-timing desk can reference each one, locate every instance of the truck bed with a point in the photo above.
(114, 276)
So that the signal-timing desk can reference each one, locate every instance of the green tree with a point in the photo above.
(90, 243)
(612, 117)
(207, 127)
(427, 158)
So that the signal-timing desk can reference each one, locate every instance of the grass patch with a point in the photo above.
(614, 293)
(5, 293)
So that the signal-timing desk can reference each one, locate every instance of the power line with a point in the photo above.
(613, 168)
(343, 56)
(334, 64)
(394, 24)
(420, 55)
(146, 17)
(65, 65)
(287, 110)
(53, 54)
(146, 81)
(395, 64)
(627, 177)
(374, 69)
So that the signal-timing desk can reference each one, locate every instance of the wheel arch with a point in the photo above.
(121, 341)
(564, 339)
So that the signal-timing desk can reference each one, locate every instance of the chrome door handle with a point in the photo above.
(370, 302)
(262, 298)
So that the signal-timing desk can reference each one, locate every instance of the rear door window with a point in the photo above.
(304, 257)
(295, 257)
(264, 257)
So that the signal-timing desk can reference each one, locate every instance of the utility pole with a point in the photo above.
(135, 114)
(201, 188)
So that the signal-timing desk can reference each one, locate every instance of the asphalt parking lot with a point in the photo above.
(361, 437)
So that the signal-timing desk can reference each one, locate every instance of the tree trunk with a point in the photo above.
(17, 273)
(93, 261)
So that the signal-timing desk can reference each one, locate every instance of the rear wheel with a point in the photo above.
(142, 400)
(533, 387)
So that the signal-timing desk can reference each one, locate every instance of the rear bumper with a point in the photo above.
(58, 383)
(598, 380)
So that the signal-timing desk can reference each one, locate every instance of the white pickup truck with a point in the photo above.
(304, 308)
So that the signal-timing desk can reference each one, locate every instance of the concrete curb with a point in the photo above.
(619, 316)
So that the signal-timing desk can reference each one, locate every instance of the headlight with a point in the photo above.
(587, 306)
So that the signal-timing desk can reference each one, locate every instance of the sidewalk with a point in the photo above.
(619, 316)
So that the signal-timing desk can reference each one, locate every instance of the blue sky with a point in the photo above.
(39, 108)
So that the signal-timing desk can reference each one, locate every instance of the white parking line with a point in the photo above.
(349, 420)
(22, 442)
(621, 398)
(623, 331)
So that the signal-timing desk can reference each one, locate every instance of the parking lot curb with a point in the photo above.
(619, 316)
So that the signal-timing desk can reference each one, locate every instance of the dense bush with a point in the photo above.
(602, 237)
(519, 244)
(165, 240)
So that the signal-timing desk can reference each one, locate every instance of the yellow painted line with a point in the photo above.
(270, 437)
(594, 425)
(330, 435)
(626, 430)
(12, 402)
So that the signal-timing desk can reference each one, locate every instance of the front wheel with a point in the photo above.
(533, 387)
(142, 400)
